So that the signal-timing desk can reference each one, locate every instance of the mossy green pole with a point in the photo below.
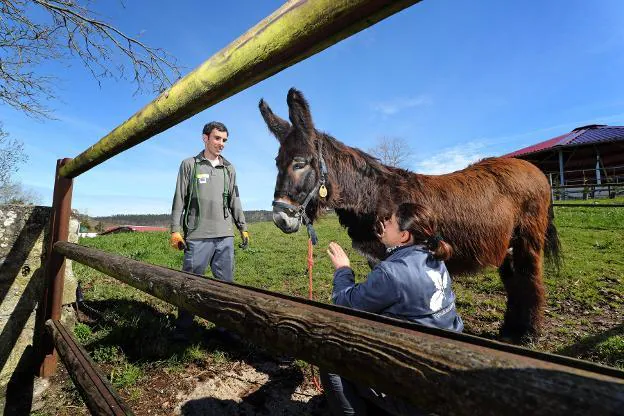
(295, 31)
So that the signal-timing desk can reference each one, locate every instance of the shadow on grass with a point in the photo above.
(588, 346)
(138, 329)
(145, 335)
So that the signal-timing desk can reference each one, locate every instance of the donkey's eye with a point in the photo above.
(299, 165)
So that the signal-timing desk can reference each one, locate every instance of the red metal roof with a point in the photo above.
(593, 133)
(131, 228)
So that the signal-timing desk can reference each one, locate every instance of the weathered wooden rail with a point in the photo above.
(99, 395)
(591, 185)
(456, 373)
(440, 371)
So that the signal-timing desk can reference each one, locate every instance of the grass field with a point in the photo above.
(589, 286)
(131, 338)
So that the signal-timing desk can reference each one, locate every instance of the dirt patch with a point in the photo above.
(570, 328)
(573, 329)
(249, 382)
(241, 387)
(60, 398)
(267, 388)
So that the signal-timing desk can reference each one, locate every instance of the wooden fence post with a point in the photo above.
(54, 268)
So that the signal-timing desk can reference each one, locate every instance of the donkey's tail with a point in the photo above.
(552, 245)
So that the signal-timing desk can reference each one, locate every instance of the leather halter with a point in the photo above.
(299, 211)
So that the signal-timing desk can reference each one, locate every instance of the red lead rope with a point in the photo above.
(310, 266)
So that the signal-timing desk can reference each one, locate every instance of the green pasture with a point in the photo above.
(611, 201)
(584, 314)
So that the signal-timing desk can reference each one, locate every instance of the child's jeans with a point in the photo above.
(348, 398)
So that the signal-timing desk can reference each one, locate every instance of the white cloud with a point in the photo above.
(81, 124)
(388, 108)
(451, 159)
(134, 181)
(170, 151)
(96, 205)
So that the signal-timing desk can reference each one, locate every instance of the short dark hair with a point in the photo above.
(209, 127)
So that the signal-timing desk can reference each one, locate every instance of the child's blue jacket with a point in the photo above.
(410, 285)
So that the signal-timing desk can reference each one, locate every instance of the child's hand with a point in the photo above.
(337, 256)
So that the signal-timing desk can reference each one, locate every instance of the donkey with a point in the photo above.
(496, 212)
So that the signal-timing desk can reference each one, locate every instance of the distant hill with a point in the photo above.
(155, 220)
(258, 216)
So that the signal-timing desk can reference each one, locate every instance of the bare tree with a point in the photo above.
(14, 193)
(11, 155)
(392, 151)
(34, 31)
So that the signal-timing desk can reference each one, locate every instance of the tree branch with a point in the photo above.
(72, 31)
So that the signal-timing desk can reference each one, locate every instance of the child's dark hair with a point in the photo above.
(421, 223)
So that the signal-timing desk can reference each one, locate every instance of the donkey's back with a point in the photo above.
(484, 206)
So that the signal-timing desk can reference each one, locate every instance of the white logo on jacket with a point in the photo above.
(440, 282)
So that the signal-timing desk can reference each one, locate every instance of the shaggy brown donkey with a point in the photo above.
(483, 211)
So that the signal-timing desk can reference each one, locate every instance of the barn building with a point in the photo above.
(587, 162)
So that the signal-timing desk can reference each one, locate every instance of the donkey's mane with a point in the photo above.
(355, 175)
(357, 158)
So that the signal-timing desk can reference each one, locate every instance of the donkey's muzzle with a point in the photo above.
(285, 222)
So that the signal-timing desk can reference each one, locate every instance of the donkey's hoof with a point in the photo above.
(518, 336)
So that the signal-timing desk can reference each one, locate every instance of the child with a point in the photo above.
(412, 283)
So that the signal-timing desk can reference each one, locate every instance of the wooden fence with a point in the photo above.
(592, 191)
(99, 395)
(456, 373)
(437, 370)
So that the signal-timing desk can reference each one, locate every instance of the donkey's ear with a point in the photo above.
(277, 125)
(299, 112)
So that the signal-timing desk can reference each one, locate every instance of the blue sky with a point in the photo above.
(459, 80)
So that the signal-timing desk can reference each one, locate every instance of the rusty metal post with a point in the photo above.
(55, 266)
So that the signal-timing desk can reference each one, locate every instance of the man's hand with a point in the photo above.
(177, 241)
(338, 256)
(245, 238)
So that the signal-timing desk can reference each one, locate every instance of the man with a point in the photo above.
(205, 204)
